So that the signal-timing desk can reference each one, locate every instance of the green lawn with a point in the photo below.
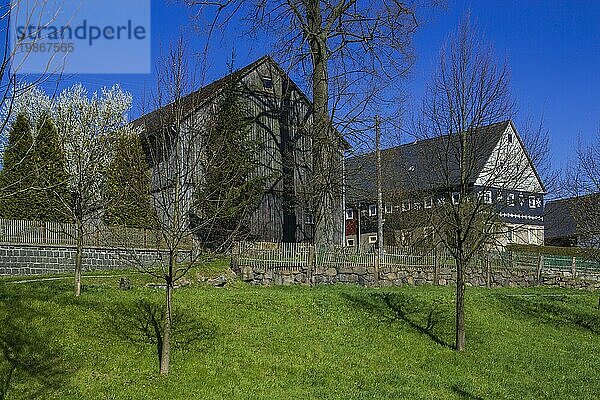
(295, 342)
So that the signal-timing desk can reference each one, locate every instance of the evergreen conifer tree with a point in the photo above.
(129, 201)
(51, 175)
(230, 188)
(18, 175)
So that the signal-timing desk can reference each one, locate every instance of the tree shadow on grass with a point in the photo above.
(557, 310)
(141, 323)
(463, 394)
(30, 360)
(429, 319)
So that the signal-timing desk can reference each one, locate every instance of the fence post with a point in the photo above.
(488, 270)
(235, 257)
(376, 266)
(310, 265)
(540, 265)
(574, 266)
(436, 267)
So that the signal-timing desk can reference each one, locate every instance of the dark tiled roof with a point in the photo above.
(419, 166)
(197, 99)
(559, 215)
(194, 100)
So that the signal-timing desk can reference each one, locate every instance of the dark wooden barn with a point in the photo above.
(281, 123)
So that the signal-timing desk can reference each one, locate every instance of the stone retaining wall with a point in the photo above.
(24, 259)
(493, 277)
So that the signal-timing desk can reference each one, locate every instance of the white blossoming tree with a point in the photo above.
(87, 125)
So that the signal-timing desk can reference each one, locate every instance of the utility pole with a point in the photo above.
(379, 184)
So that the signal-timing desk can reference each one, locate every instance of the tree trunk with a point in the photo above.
(324, 145)
(460, 305)
(78, 258)
(165, 354)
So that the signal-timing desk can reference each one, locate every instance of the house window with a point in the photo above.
(487, 197)
(499, 197)
(349, 242)
(372, 210)
(405, 238)
(416, 205)
(510, 138)
(373, 239)
(532, 202)
(509, 236)
(349, 213)
(441, 201)
(530, 236)
(406, 205)
(267, 82)
(455, 198)
(389, 209)
(428, 202)
(309, 219)
(510, 199)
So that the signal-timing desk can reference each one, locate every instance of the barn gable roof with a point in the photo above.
(197, 99)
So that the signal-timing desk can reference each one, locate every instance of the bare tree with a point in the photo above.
(203, 175)
(16, 81)
(479, 169)
(583, 183)
(351, 53)
(14, 57)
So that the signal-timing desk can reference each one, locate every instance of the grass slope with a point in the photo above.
(338, 342)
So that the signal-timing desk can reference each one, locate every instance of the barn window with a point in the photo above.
(309, 219)
(510, 138)
(267, 82)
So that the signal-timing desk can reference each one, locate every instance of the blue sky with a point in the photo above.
(553, 48)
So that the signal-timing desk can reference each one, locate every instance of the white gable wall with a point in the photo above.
(508, 167)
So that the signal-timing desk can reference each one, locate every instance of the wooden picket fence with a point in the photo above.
(57, 233)
(300, 255)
